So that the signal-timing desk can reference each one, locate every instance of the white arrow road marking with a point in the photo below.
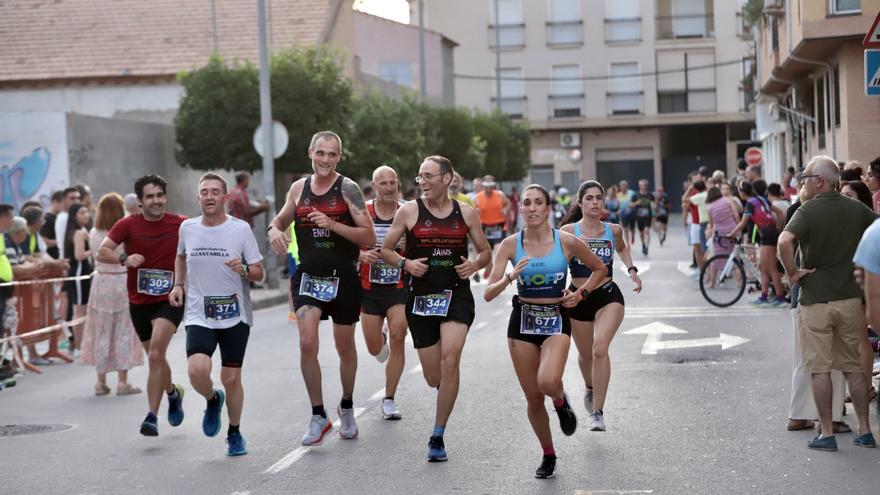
(684, 267)
(654, 331)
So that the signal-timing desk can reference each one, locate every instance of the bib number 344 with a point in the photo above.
(432, 304)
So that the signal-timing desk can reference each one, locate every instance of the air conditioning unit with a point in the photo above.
(570, 140)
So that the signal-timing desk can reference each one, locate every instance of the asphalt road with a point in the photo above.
(684, 420)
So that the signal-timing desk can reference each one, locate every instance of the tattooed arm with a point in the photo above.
(363, 232)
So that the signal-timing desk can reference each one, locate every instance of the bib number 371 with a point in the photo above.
(432, 304)
(320, 288)
(539, 319)
(222, 307)
(154, 282)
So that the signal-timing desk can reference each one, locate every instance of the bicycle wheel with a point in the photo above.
(724, 290)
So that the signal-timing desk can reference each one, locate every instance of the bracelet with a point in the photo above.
(178, 285)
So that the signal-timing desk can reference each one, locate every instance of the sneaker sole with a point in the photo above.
(865, 446)
(597, 429)
(149, 431)
(545, 477)
(320, 439)
(437, 459)
(824, 449)
(392, 417)
(236, 454)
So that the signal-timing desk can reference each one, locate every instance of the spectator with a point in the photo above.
(873, 180)
(856, 190)
(132, 204)
(868, 258)
(33, 243)
(513, 211)
(85, 195)
(727, 192)
(694, 202)
(455, 191)
(831, 315)
(47, 231)
(717, 178)
(78, 253)
(368, 192)
(723, 217)
(240, 203)
(753, 173)
(71, 196)
(777, 197)
(851, 175)
(789, 184)
(109, 340)
(768, 221)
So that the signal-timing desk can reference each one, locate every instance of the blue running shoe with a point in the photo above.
(211, 421)
(436, 450)
(175, 406)
(150, 426)
(760, 301)
(236, 445)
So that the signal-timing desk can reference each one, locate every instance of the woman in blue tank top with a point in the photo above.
(595, 320)
(539, 330)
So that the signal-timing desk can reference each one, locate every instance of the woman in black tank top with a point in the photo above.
(78, 254)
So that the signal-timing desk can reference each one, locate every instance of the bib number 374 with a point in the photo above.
(539, 319)
(432, 304)
(320, 288)
(154, 282)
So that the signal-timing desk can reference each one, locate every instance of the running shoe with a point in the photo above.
(548, 465)
(779, 302)
(235, 445)
(567, 419)
(760, 301)
(588, 400)
(383, 353)
(597, 421)
(318, 427)
(150, 426)
(348, 428)
(644, 249)
(389, 410)
(175, 406)
(211, 421)
(436, 449)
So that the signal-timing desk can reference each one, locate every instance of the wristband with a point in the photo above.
(122, 258)
(401, 263)
(178, 285)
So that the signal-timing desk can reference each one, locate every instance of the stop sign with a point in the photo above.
(754, 156)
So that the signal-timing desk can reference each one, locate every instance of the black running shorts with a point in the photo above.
(232, 341)
(345, 309)
(425, 330)
(378, 301)
(142, 316)
(643, 222)
(514, 325)
(603, 296)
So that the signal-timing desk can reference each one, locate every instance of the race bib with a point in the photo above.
(643, 212)
(384, 274)
(432, 304)
(494, 233)
(540, 319)
(154, 282)
(603, 248)
(222, 307)
(320, 288)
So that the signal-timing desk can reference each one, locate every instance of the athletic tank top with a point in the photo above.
(382, 226)
(644, 205)
(491, 208)
(603, 247)
(321, 251)
(543, 277)
(443, 241)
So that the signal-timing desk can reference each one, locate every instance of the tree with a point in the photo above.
(507, 146)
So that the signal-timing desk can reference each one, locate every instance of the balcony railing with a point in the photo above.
(623, 30)
(685, 26)
(684, 101)
(567, 105)
(565, 32)
(624, 102)
(743, 30)
(513, 106)
(509, 36)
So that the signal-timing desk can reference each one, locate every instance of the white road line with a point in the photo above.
(380, 394)
(415, 369)
(611, 492)
(481, 325)
(298, 453)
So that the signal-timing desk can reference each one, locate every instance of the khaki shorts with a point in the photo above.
(830, 335)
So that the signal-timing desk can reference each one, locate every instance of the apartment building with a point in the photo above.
(812, 82)
(611, 89)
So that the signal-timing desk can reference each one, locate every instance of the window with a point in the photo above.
(511, 31)
(743, 29)
(685, 19)
(622, 21)
(820, 110)
(747, 83)
(568, 91)
(836, 77)
(625, 95)
(686, 81)
(565, 26)
(512, 92)
(396, 72)
(845, 6)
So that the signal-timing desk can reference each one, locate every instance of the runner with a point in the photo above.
(662, 207)
(330, 221)
(627, 215)
(539, 330)
(455, 190)
(440, 307)
(492, 205)
(643, 204)
(595, 320)
(217, 255)
(150, 240)
(384, 292)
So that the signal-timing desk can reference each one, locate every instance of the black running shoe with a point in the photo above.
(548, 465)
(568, 421)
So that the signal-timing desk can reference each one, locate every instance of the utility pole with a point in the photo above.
(423, 81)
(497, 58)
(214, 22)
(268, 135)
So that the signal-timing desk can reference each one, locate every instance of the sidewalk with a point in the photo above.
(266, 298)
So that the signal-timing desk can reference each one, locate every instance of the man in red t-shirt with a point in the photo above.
(239, 203)
(150, 247)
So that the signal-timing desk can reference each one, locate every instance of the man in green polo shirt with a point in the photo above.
(831, 315)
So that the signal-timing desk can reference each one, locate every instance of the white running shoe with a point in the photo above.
(588, 400)
(348, 428)
(390, 410)
(318, 427)
(385, 351)
(597, 421)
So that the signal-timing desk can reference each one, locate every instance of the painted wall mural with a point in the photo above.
(33, 156)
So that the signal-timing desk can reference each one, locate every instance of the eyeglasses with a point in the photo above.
(803, 177)
(427, 176)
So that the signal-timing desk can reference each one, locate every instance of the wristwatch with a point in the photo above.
(401, 263)
(633, 269)
(247, 271)
(122, 258)
(584, 293)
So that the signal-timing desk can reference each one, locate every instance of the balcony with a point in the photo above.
(623, 30)
(624, 102)
(565, 33)
(685, 26)
(685, 101)
(512, 106)
(566, 105)
(509, 36)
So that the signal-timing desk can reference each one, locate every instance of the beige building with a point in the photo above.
(812, 82)
(609, 88)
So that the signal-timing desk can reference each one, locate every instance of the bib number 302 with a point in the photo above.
(432, 304)
(320, 288)
(154, 282)
(222, 307)
(537, 319)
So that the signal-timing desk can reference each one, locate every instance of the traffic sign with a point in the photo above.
(872, 72)
(872, 37)
(280, 139)
(754, 156)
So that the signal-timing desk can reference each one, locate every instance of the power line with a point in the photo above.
(605, 78)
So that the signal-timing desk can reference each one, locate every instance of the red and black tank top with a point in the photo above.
(382, 226)
(443, 241)
(320, 250)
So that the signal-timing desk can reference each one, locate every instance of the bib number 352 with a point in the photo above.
(384, 274)
(432, 304)
(222, 307)
(154, 282)
(539, 319)
(320, 288)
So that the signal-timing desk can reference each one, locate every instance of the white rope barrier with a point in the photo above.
(46, 281)
(51, 328)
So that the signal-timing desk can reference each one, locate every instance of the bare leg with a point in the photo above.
(199, 368)
(858, 390)
(307, 318)
(526, 359)
(372, 328)
(79, 310)
(582, 334)
(159, 379)
(231, 379)
(452, 337)
(608, 320)
(123, 377)
(343, 335)
(821, 385)
(396, 361)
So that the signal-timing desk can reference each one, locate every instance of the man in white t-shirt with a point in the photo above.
(217, 257)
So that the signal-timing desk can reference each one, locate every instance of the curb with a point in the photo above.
(275, 299)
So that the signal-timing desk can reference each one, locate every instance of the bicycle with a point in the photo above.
(733, 273)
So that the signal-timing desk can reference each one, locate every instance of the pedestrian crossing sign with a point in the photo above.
(872, 72)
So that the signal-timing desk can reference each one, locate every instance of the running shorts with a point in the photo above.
(603, 296)
(345, 309)
(142, 316)
(514, 325)
(232, 341)
(643, 222)
(379, 301)
(425, 330)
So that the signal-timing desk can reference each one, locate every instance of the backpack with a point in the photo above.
(763, 215)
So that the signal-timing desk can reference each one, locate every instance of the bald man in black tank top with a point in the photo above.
(330, 221)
